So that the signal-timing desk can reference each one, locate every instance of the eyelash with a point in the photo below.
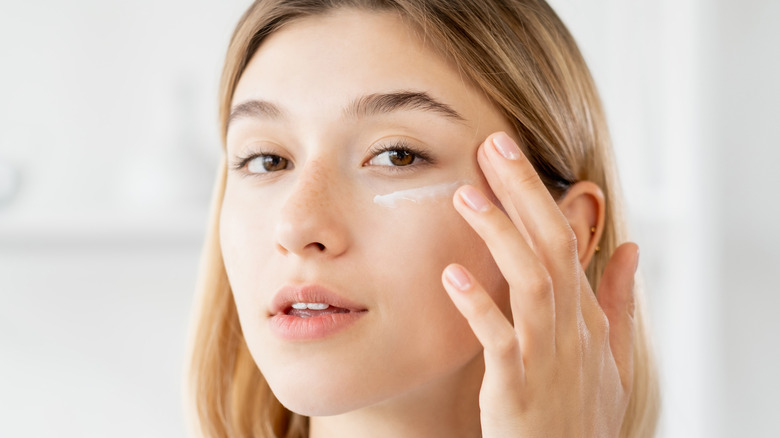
(241, 162)
(420, 155)
(401, 146)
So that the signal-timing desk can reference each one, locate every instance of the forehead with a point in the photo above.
(323, 61)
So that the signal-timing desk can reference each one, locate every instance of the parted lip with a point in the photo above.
(310, 293)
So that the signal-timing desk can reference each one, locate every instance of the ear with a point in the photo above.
(584, 207)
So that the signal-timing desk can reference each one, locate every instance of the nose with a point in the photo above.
(312, 221)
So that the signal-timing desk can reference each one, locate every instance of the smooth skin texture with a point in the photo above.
(413, 365)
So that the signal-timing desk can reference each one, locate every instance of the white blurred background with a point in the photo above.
(108, 146)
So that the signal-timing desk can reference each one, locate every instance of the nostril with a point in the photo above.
(317, 245)
(314, 246)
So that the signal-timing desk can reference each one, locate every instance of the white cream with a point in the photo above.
(419, 194)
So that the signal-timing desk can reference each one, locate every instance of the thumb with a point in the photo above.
(616, 298)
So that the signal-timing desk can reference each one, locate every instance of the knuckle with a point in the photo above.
(506, 346)
(540, 285)
(503, 225)
(528, 179)
(566, 240)
(481, 309)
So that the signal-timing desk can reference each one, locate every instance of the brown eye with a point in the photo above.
(400, 157)
(394, 158)
(267, 163)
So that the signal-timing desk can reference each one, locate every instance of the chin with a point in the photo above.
(320, 400)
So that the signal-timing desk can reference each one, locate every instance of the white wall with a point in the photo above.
(108, 145)
(92, 338)
(742, 110)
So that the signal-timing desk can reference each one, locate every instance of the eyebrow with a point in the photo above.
(255, 109)
(364, 106)
(382, 103)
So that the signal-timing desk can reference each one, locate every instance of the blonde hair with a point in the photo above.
(523, 58)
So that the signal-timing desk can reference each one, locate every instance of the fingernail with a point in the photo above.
(506, 146)
(457, 277)
(474, 199)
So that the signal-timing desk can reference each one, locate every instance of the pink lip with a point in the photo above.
(291, 327)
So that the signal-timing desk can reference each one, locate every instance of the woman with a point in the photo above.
(416, 206)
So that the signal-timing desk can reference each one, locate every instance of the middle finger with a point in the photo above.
(526, 199)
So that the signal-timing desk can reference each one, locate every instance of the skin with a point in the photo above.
(413, 365)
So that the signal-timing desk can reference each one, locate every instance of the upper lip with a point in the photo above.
(311, 293)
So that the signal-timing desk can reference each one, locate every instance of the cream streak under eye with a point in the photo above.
(418, 195)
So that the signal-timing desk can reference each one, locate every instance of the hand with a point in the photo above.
(565, 368)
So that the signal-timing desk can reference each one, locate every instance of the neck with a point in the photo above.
(448, 407)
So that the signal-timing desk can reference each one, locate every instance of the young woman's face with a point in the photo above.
(333, 116)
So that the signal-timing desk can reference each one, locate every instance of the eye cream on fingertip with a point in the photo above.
(418, 195)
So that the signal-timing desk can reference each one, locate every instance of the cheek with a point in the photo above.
(417, 241)
(410, 261)
(413, 242)
(245, 243)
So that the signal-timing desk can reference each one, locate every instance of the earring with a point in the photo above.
(593, 231)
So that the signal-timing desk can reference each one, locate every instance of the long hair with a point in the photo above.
(522, 57)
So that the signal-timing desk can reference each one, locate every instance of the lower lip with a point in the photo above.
(295, 328)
